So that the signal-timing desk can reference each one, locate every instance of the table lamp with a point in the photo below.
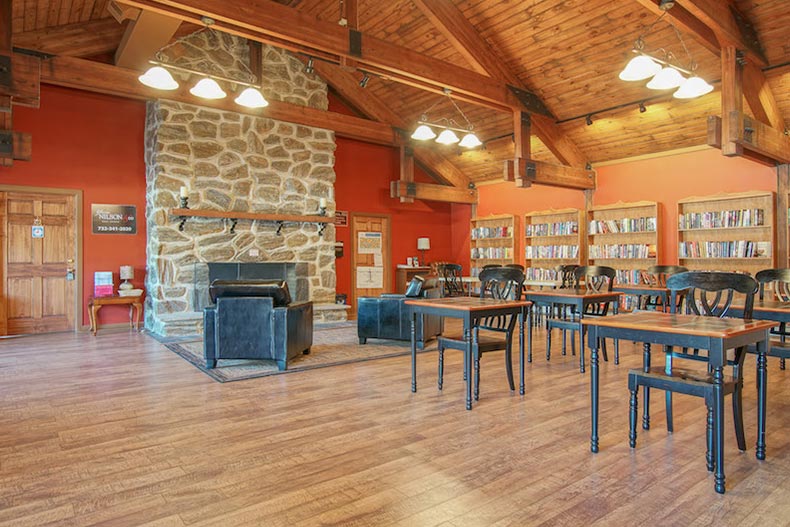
(127, 273)
(423, 244)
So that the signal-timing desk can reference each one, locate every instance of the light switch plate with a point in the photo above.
(254, 252)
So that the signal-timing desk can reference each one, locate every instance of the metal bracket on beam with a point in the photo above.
(411, 189)
(6, 143)
(5, 71)
(355, 42)
(530, 101)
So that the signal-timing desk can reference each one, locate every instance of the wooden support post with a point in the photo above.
(584, 225)
(522, 129)
(349, 11)
(406, 169)
(731, 100)
(5, 47)
(431, 192)
(782, 203)
(527, 171)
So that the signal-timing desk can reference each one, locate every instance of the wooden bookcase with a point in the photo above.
(624, 236)
(493, 241)
(552, 238)
(728, 232)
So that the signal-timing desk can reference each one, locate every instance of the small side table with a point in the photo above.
(135, 307)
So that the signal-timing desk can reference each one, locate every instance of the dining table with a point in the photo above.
(471, 310)
(640, 290)
(717, 335)
(578, 299)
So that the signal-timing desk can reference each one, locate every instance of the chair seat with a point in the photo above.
(696, 381)
(486, 341)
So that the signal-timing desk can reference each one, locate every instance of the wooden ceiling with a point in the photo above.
(567, 52)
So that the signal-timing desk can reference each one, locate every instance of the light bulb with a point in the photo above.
(159, 78)
(693, 87)
(423, 132)
(639, 68)
(208, 89)
(666, 79)
(470, 140)
(251, 98)
(447, 137)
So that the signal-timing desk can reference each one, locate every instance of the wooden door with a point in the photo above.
(371, 257)
(38, 297)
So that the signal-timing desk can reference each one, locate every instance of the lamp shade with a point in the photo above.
(208, 89)
(127, 272)
(666, 79)
(159, 78)
(693, 87)
(423, 244)
(251, 98)
(447, 137)
(470, 140)
(423, 133)
(639, 68)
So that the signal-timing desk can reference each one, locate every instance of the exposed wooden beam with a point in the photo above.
(782, 204)
(464, 37)
(759, 137)
(526, 172)
(349, 12)
(104, 78)
(760, 98)
(714, 140)
(143, 38)
(406, 169)
(687, 23)
(347, 87)
(6, 66)
(83, 39)
(731, 100)
(728, 25)
(26, 83)
(270, 22)
(431, 192)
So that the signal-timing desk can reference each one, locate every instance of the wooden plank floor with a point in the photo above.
(117, 430)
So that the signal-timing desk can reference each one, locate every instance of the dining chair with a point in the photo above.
(657, 275)
(450, 274)
(496, 332)
(706, 294)
(565, 274)
(775, 285)
(515, 266)
(596, 278)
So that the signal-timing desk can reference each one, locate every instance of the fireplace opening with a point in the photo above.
(294, 274)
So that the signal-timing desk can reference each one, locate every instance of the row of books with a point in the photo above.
(646, 224)
(503, 231)
(632, 276)
(623, 250)
(559, 228)
(721, 219)
(492, 252)
(540, 273)
(551, 251)
(725, 249)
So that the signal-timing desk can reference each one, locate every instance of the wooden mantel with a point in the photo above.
(239, 215)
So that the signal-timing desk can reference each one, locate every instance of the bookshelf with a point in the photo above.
(727, 232)
(552, 238)
(493, 241)
(624, 236)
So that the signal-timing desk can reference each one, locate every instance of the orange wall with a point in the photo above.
(664, 180)
(364, 172)
(93, 143)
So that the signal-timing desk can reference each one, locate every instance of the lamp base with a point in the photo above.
(125, 286)
(423, 262)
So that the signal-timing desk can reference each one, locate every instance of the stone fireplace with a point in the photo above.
(236, 162)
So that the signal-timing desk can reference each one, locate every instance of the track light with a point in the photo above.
(363, 83)
(309, 69)
(642, 108)
(589, 120)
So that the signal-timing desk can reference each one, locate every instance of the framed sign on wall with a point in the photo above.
(113, 219)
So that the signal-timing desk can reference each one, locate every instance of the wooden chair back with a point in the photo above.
(700, 286)
(451, 274)
(598, 278)
(565, 274)
(516, 266)
(657, 274)
(778, 280)
(504, 283)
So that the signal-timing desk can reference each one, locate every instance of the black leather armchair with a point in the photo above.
(255, 319)
(388, 316)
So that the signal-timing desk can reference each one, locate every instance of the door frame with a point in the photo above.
(77, 195)
(387, 271)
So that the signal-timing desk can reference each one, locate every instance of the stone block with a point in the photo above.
(205, 150)
(203, 129)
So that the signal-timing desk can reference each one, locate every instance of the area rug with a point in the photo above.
(333, 345)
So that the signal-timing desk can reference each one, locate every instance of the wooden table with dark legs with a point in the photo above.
(135, 304)
(717, 335)
(470, 310)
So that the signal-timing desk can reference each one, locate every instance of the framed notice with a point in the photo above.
(369, 243)
(341, 218)
(114, 219)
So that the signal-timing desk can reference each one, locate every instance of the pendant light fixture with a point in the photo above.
(664, 72)
(448, 127)
(159, 76)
